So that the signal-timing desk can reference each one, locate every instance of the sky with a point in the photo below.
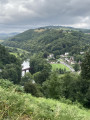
(20, 15)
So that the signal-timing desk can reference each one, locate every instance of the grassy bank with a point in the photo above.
(17, 105)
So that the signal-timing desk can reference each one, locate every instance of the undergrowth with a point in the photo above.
(17, 105)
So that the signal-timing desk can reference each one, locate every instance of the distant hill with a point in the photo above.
(52, 40)
(4, 36)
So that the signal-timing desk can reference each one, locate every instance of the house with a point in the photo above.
(62, 56)
(72, 58)
(81, 53)
(66, 53)
(51, 56)
(72, 62)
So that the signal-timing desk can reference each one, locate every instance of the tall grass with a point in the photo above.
(16, 105)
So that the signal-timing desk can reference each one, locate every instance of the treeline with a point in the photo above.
(51, 40)
(10, 66)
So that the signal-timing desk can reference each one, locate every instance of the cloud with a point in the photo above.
(30, 13)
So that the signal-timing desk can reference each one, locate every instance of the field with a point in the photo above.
(14, 54)
(17, 105)
(18, 52)
(1, 41)
(39, 30)
(58, 66)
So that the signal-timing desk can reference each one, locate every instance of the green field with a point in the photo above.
(18, 49)
(17, 105)
(18, 52)
(58, 66)
(14, 54)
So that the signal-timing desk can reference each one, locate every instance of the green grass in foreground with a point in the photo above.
(58, 65)
(16, 105)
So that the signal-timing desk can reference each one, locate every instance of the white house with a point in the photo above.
(66, 53)
(51, 56)
(81, 53)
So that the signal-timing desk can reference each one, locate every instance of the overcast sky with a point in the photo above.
(19, 15)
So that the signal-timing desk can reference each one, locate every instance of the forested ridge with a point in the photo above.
(56, 41)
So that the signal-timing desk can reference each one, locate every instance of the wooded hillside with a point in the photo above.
(54, 41)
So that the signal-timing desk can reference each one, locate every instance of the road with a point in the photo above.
(68, 66)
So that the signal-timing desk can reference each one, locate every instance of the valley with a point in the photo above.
(58, 81)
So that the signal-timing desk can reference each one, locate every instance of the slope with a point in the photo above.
(56, 41)
(17, 105)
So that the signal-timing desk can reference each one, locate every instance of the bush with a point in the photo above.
(33, 89)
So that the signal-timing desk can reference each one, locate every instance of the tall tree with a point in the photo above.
(85, 66)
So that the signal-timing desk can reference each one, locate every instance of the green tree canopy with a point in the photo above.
(85, 66)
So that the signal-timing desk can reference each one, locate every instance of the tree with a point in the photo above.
(85, 80)
(33, 88)
(85, 66)
(76, 67)
(52, 86)
(38, 64)
(59, 87)
(26, 78)
(45, 54)
(12, 72)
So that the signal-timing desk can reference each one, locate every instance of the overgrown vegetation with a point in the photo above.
(16, 105)
(10, 66)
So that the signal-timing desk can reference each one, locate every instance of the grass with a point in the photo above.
(1, 41)
(21, 50)
(18, 52)
(17, 105)
(58, 66)
(15, 54)
(18, 49)
(39, 30)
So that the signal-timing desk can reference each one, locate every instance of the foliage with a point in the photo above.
(84, 82)
(26, 78)
(85, 66)
(84, 92)
(50, 41)
(33, 88)
(10, 66)
(9, 86)
(76, 67)
(59, 87)
(19, 106)
(40, 65)
(19, 53)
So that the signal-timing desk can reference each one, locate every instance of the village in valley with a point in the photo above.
(66, 60)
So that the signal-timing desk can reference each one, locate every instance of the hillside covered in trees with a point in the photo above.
(52, 40)
(10, 66)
